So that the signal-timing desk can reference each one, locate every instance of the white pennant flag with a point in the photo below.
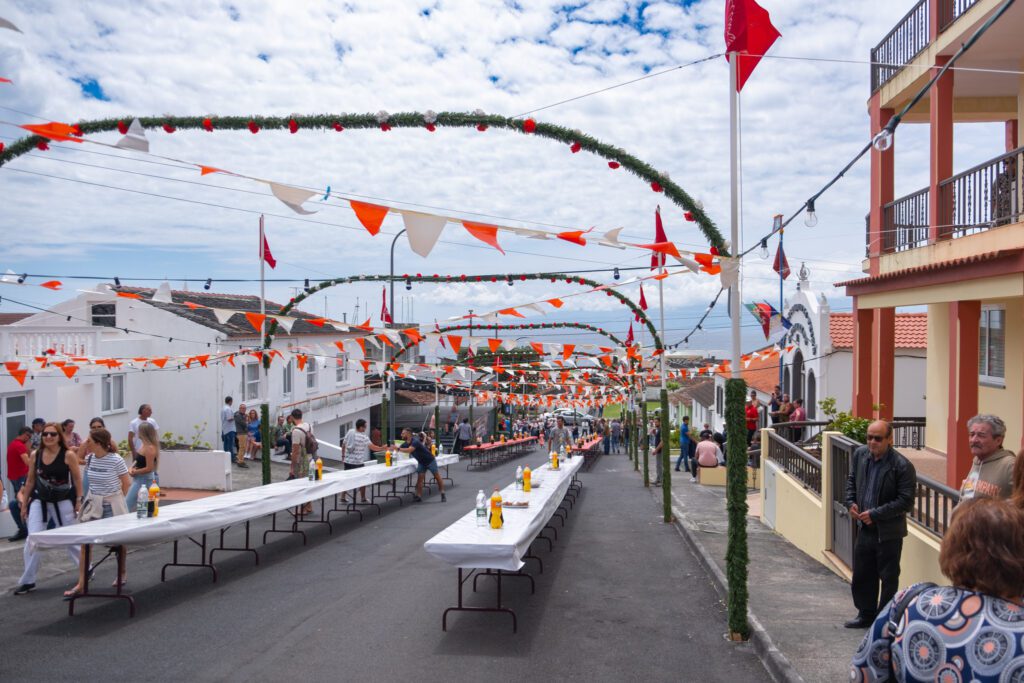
(284, 322)
(135, 138)
(611, 239)
(422, 230)
(222, 315)
(163, 294)
(292, 197)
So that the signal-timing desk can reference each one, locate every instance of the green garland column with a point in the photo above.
(736, 556)
(666, 457)
(642, 433)
(634, 440)
(385, 432)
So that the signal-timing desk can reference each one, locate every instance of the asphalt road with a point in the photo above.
(620, 599)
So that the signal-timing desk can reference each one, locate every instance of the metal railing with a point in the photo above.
(986, 196)
(911, 35)
(951, 10)
(792, 459)
(803, 433)
(908, 433)
(905, 223)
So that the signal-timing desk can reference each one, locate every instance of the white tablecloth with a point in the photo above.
(216, 512)
(465, 545)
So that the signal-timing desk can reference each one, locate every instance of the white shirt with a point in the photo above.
(357, 447)
(133, 427)
(227, 419)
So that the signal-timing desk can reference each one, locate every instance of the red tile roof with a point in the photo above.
(762, 373)
(927, 267)
(8, 318)
(911, 330)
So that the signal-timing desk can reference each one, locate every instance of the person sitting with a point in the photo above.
(709, 454)
(967, 631)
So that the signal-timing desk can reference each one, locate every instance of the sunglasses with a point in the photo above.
(872, 437)
(49, 433)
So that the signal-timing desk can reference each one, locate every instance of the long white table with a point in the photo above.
(504, 551)
(183, 520)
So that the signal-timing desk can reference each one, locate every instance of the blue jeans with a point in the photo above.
(684, 454)
(138, 481)
(15, 508)
(229, 442)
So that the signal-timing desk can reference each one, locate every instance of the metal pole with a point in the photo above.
(647, 440)
(391, 353)
(265, 384)
(666, 427)
(780, 303)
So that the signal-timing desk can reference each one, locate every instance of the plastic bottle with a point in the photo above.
(527, 476)
(481, 509)
(312, 469)
(433, 449)
(387, 458)
(497, 520)
(153, 504)
(142, 503)
(519, 478)
(319, 468)
(554, 460)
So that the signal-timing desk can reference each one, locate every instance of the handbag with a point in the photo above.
(48, 492)
(91, 508)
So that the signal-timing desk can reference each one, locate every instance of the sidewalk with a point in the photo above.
(797, 607)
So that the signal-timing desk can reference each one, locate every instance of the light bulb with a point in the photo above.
(615, 273)
(764, 249)
(882, 142)
(208, 284)
(306, 285)
(811, 219)
(408, 284)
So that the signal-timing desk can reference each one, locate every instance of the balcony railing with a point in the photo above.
(983, 197)
(904, 42)
(793, 459)
(905, 223)
(951, 10)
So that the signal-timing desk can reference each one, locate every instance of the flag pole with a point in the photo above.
(666, 428)
(782, 312)
(265, 381)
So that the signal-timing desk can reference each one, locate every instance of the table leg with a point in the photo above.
(86, 557)
(202, 559)
(498, 608)
(274, 530)
(350, 508)
(300, 517)
(247, 549)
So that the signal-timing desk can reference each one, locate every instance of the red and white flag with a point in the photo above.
(749, 32)
(658, 258)
(629, 337)
(266, 255)
(643, 299)
(781, 265)
(385, 315)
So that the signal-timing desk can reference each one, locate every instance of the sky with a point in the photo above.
(67, 211)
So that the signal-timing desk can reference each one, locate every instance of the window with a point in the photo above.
(103, 315)
(15, 417)
(113, 394)
(992, 349)
(251, 381)
(341, 372)
(311, 373)
(344, 429)
(719, 400)
(286, 379)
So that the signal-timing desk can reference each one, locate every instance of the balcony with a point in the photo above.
(987, 196)
(911, 35)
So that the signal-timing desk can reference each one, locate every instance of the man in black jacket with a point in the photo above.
(879, 494)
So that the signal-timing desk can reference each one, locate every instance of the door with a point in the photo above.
(844, 529)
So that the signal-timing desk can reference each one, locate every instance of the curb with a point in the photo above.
(779, 668)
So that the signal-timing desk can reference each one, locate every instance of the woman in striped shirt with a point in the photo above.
(108, 482)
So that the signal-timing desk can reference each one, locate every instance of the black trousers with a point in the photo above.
(876, 571)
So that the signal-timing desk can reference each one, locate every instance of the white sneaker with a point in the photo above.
(693, 480)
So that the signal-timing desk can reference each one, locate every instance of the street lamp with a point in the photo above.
(391, 385)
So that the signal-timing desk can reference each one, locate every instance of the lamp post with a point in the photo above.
(391, 309)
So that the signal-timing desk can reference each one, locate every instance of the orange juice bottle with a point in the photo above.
(497, 521)
(319, 468)
(554, 460)
(387, 458)
(154, 500)
(526, 479)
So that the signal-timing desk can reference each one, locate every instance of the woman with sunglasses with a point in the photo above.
(51, 491)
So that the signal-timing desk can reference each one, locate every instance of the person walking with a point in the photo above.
(991, 474)
(684, 444)
(17, 471)
(51, 492)
(879, 494)
(751, 416)
(616, 435)
(37, 434)
(656, 444)
(108, 482)
(71, 437)
(967, 631)
(228, 433)
(463, 436)
(416, 447)
(144, 462)
(560, 437)
(242, 435)
(134, 440)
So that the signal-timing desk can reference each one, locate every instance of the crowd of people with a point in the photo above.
(58, 479)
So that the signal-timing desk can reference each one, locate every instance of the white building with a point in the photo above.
(820, 362)
(330, 390)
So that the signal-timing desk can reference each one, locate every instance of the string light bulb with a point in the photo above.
(117, 281)
(208, 283)
(764, 249)
(811, 219)
(615, 273)
(882, 142)
(408, 284)
(21, 278)
(509, 278)
(306, 286)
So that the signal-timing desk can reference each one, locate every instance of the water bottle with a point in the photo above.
(519, 478)
(142, 503)
(481, 509)
(312, 469)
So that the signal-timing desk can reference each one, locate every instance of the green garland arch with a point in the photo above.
(520, 326)
(560, 134)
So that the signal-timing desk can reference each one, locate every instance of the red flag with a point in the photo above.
(629, 337)
(781, 264)
(658, 259)
(748, 31)
(643, 299)
(267, 256)
(385, 315)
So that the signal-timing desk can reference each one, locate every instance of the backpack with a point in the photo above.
(309, 444)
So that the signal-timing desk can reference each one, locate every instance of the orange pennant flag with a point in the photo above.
(159, 362)
(495, 344)
(557, 303)
(207, 170)
(704, 259)
(193, 305)
(255, 319)
(53, 131)
(512, 312)
(12, 366)
(362, 345)
(301, 362)
(607, 360)
(55, 285)
(574, 236)
(413, 334)
(567, 350)
(662, 276)
(711, 270)
(69, 370)
(384, 338)
(19, 375)
(231, 360)
(449, 369)
(488, 234)
(456, 342)
(661, 248)
(370, 215)
(366, 326)
(538, 347)
(365, 364)
(202, 359)
(340, 345)
(128, 295)
(319, 322)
